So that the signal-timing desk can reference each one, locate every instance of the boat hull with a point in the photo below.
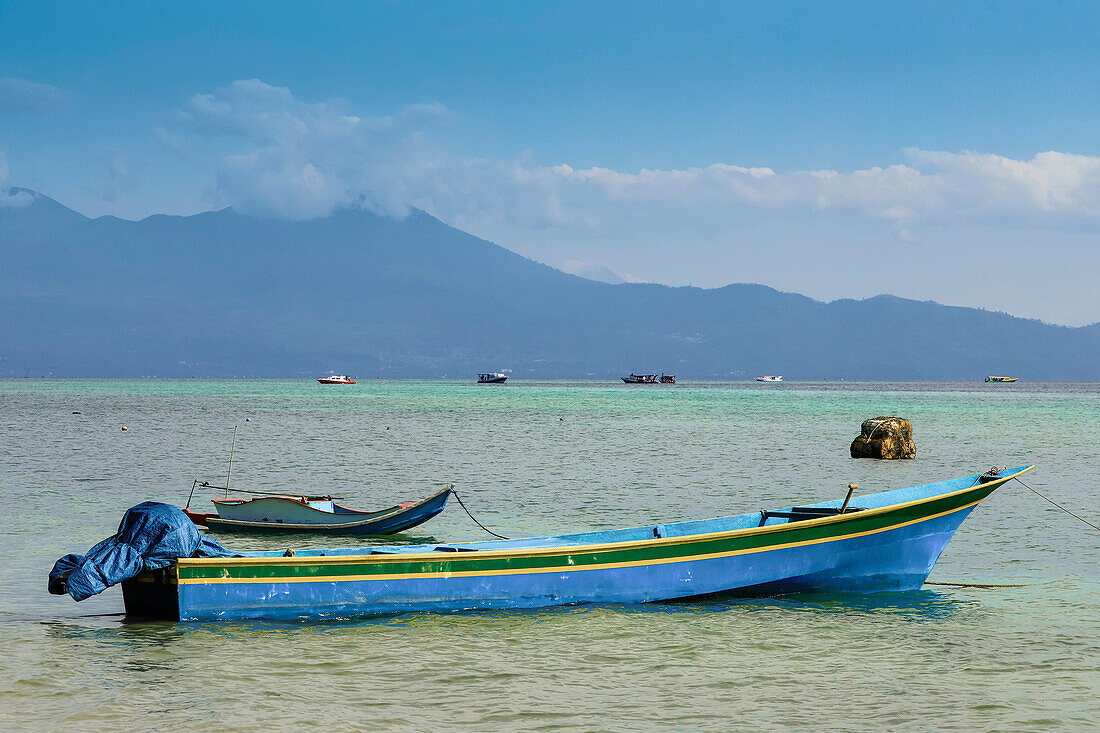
(889, 547)
(896, 561)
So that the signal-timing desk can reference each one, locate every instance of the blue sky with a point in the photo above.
(839, 150)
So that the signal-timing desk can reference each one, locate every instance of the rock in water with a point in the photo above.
(885, 437)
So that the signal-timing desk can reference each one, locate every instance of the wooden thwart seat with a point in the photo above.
(802, 513)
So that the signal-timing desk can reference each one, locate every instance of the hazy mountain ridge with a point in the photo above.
(223, 294)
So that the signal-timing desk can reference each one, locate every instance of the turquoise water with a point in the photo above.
(538, 458)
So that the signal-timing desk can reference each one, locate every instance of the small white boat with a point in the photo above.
(769, 378)
(336, 379)
(492, 378)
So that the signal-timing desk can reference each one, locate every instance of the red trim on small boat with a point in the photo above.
(198, 517)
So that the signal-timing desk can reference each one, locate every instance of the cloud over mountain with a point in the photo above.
(923, 225)
(300, 160)
(10, 198)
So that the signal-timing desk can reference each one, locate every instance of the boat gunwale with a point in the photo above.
(301, 500)
(297, 499)
(433, 555)
(370, 517)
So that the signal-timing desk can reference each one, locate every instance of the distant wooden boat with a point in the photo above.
(492, 378)
(1001, 379)
(313, 514)
(769, 378)
(640, 379)
(890, 542)
(336, 379)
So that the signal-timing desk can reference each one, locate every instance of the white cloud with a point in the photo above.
(592, 271)
(1051, 182)
(8, 198)
(935, 184)
(19, 95)
(121, 175)
(302, 160)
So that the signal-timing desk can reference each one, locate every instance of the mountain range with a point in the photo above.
(222, 294)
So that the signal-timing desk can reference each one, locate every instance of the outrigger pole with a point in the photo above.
(231, 450)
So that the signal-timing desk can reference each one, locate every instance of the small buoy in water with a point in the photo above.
(125, 428)
(248, 419)
(561, 419)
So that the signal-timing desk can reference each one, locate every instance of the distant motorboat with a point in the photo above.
(668, 379)
(336, 379)
(1001, 379)
(769, 378)
(640, 379)
(492, 378)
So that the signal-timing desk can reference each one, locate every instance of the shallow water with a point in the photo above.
(944, 658)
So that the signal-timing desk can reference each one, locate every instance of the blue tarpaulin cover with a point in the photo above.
(150, 536)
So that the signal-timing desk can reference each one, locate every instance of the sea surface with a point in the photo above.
(549, 457)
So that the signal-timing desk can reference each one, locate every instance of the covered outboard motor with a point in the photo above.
(150, 536)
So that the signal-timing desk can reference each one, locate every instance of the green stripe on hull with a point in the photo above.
(577, 558)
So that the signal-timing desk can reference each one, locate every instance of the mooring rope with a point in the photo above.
(1067, 511)
(471, 516)
(958, 585)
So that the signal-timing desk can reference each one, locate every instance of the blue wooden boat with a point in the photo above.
(890, 542)
(314, 514)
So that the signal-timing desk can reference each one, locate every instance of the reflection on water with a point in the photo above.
(909, 606)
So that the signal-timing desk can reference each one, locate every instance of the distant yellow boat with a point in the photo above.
(1001, 379)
